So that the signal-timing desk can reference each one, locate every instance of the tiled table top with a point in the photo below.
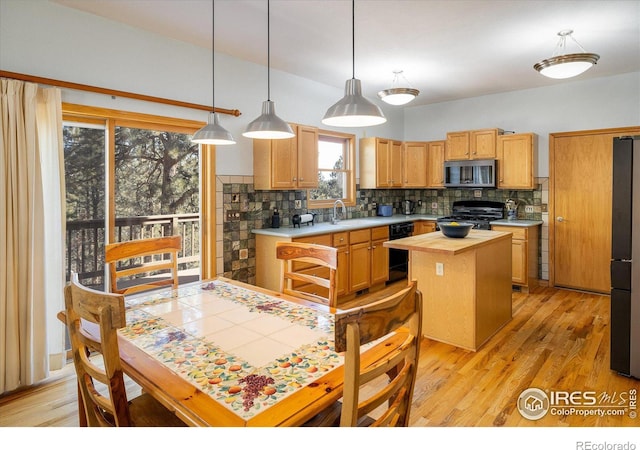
(246, 349)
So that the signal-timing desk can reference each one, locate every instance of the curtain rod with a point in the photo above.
(113, 92)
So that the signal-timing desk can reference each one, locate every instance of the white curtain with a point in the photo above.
(31, 233)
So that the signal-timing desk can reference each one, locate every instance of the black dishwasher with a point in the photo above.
(399, 259)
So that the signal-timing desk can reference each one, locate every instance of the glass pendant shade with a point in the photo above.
(398, 96)
(268, 125)
(566, 65)
(213, 133)
(353, 110)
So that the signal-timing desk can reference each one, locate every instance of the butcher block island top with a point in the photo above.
(439, 243)
(465, 283)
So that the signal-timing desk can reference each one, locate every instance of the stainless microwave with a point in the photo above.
(470, 174)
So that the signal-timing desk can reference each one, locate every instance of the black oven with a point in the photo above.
(399, 259)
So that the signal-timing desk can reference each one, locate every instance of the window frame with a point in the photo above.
(349, 169)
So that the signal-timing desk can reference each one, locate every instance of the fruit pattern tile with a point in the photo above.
(244, 389)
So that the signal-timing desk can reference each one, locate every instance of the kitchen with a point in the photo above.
(526, 110)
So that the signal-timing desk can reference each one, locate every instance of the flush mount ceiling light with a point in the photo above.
(268, 125)
(213, 133)
(566, 65)
(353, 110)
(398, 95)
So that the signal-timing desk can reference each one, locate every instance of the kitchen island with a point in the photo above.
(465, 283)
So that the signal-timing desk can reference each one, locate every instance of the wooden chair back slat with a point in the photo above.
(301, 284)
(118, 252)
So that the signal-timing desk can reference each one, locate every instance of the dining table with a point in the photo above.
(225, 353)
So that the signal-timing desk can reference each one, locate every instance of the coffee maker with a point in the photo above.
(408, 207)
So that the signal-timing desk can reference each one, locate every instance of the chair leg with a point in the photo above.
(82, 416)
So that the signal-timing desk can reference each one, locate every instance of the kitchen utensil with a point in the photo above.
(408, 207)
(385, 210)
(455, 229)
(299, 219)
(275, 219)
(512, 209)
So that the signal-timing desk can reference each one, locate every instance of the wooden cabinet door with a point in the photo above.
(383, 163)
(482, 144)
(414, 164)
(284, 163)
(395, 166)
(519, 261)
(423, 226)
(435, 164)
(360, 266)
(457, 146)
(379, 262)
(342, 275)
(307, 157)
(516, 161)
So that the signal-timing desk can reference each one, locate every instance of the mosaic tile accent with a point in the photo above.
(234, 382)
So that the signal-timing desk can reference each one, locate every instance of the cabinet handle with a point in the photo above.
(560, 219)
(301, 179)
(295, 179)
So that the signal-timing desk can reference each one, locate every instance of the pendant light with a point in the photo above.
(213, 133)
(353, 110)
(268, 125)
(397, 95)
(566, 65)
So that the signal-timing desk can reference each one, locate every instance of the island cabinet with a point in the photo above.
(435, 164)
(465, 284)
(423, 226)
(380, 163)
(474, 144)
(524, 254)
(517, 161)
(287, 163)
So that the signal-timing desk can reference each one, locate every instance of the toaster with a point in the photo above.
(385, 210)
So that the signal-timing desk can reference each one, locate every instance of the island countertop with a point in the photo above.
(439, 243)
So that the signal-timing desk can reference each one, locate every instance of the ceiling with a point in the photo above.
(449, 49)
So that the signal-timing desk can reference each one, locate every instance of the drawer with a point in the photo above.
(340, 239)
(358, 236)
(519, 233)
(320, 239)
(379, 233)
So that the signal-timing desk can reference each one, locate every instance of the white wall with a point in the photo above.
(48, 40)
(608, 102)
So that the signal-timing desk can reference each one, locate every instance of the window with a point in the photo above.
(336, 173)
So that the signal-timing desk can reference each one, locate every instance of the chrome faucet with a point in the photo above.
(334, 218)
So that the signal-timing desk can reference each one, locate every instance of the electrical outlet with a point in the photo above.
(298, 204)
(439, 269)
(477, 193)
(419, 202)
(528, 208)
(434, 205)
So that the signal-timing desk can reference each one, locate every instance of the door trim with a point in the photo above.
(552, 136)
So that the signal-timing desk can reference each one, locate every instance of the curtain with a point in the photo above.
(31, 233)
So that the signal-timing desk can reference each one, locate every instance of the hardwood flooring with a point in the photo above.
(558, 340)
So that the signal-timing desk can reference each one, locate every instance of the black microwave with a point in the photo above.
(479, 173)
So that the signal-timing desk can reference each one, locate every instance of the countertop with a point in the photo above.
(517, 223)
(439, 243)
(343, 225)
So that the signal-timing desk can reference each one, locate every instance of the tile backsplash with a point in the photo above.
(241, 208)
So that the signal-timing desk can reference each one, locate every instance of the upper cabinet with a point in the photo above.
(517, 161)
(287, 163)
(474, 144)
(435, 164)
(380, 163)
(414, 164)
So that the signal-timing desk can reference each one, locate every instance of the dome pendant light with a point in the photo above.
(561, 66)
(268, 125)
(397, 95)
(353, 110)
(213, 133)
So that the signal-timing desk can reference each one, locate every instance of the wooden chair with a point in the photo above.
(137, 250)
(401, 313)
(309, 271)
(87, 312)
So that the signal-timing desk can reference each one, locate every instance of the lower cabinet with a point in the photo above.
(423, 226)
(524, 255)
(363, 261)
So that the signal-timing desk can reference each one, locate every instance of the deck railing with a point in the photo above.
(86, 238)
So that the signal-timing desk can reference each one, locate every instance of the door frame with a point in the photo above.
(552, 215)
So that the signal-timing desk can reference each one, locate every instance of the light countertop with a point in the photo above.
(439, 243)
(343, 225)
(516, 223)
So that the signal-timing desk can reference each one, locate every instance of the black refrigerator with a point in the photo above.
(625, 251)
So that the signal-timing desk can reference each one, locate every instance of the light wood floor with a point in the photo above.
(558, 340)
